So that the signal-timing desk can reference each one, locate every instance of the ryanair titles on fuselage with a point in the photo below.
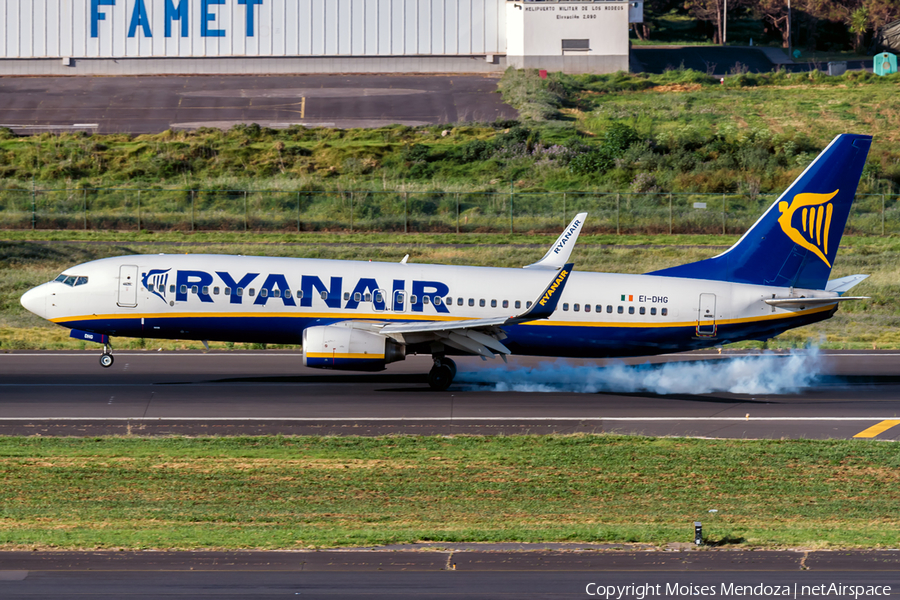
(275, 287)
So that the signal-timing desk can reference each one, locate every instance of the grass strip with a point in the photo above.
(752, 135)
(277, 492)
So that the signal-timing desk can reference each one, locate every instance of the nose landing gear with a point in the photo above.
(106, 359)
(442, 373)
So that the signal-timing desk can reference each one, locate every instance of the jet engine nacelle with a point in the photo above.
(344, 348)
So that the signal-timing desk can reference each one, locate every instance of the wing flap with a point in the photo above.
(432, 326)
(464, 343)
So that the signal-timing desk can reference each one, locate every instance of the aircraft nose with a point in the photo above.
(35, 300)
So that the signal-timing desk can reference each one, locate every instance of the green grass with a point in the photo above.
(25, 264)
(750, 136)
(320, 492)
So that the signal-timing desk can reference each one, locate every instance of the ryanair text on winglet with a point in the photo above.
(565, 240)
(553, 287)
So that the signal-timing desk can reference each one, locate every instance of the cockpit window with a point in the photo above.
(72, 280)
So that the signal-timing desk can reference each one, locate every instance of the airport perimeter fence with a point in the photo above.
(419, 212)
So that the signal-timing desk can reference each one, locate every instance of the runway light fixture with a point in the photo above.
(698, 533)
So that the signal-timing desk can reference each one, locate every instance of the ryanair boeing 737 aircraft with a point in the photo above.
(363, 315)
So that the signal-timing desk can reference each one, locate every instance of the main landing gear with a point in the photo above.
(106, 359)
(442, 373)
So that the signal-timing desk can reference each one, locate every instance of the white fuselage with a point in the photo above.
(272, 300)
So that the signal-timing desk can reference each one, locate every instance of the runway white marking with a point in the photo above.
(53, 127)
(261, 354)
(379, 419)
(151, 353)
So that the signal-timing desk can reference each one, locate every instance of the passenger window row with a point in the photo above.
(357, 296)
(619, 309)
(483, 303)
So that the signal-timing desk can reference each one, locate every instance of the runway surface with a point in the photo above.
(154, 104)
(832, 395)
(444, 574)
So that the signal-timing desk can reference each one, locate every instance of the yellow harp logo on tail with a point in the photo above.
(815, 221)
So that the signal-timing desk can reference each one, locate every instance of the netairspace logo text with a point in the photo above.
(723, 590)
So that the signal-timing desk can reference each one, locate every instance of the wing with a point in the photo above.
(484, 337)
(475, 336)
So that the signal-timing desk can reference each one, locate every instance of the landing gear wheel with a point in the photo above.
(106, 360)
(440, 377)
(451, 364)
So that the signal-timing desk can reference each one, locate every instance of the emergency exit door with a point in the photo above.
(706, 316)
(128, 284)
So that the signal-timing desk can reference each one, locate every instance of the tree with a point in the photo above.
(877, 14)
(859, 24)
(776, 13)
(653, 11)
(713, 12)
(709, 11)
(864, 16)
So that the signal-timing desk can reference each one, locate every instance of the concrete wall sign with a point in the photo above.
(568, 36)
(250, 28)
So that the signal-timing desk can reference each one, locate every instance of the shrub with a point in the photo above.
(595, 160)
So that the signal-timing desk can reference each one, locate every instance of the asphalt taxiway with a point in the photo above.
(849, 395)
(153, 104)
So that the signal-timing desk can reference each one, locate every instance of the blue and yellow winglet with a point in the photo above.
(545, 305)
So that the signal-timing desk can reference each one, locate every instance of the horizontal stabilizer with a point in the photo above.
(559, 252)
(810, 302)
(844, 284)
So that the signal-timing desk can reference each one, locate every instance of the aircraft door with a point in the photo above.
(128, 285)
(706, 316)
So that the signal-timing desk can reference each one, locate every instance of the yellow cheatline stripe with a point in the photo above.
(385, 316)
(344, 355)
(879, 428)
(392, 316)
(684, 323)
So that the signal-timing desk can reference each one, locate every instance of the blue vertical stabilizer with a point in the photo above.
(794, 243)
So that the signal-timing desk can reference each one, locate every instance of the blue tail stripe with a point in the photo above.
(795, 242)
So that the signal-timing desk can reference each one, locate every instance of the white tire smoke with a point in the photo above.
(766, 373)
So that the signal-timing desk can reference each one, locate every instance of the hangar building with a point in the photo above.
(118, 37)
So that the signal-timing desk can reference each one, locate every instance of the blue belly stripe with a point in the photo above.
(536, 340)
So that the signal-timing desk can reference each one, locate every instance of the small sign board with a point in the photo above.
(699, 204)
